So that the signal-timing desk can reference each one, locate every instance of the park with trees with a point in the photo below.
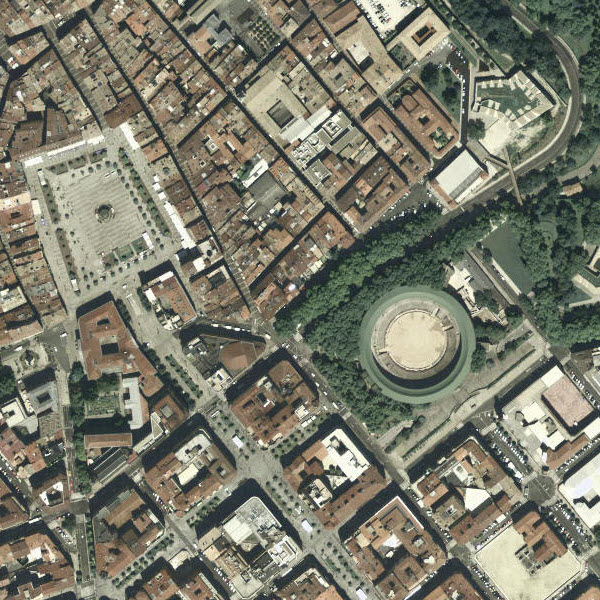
(82, 391)
(550, 230)
(330, 313)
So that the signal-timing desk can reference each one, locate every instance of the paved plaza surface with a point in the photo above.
(78, 193)
(500, 561)
(80, 198)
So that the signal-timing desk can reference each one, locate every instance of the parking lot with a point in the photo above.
(573, 462)
(586, 389)
(569, 526)
(485, 582)
(509, 453)
(492, 530)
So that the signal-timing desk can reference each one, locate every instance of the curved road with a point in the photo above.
(559, 144)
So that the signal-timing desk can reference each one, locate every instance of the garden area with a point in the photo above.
(541, 241)
(103, 401)
(88, 395)
(444, 85)
(504, 98)
(503, 243)
(8, 384)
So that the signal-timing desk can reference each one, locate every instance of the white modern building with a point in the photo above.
(582, 490)
(461, 177)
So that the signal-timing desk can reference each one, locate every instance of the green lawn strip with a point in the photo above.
(504, 246)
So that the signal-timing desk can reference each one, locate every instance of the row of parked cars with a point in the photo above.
(500, 437)
(485, 581)
(560, 511)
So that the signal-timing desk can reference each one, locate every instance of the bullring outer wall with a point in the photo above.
(393, 387)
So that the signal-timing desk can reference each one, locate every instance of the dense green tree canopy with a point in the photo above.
(476, 129)
(8, 385)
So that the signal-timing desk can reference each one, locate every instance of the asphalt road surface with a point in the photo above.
(82, 550)
(571, 528)
(541, 489)
(461, 67)
(508, 452)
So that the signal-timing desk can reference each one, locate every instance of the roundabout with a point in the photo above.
(416, 344)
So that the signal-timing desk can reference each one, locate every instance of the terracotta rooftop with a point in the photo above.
(108, 347)
(107, 440)
(452, 587)
(172, 304)
(567, 401)
(275, 404)
(192, 471)
(539, 537)
(123, 532)
(395, 569)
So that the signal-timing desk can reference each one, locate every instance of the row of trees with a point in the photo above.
(550, 230)
(579, 22)
(172, 383)
(82, 390)
(347, 272)
(493, 22)
(334, 333)
(376, 411)
(79, 387)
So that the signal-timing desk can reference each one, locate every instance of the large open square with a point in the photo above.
(102, 220)
(500, 561)
(102, 215)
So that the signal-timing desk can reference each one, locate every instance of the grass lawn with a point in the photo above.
(504, 61)
(592, 181)
(508, 99)
(59, 169)
(548, 128)
(580, 44)
(504, 246)
(139, 245)
(576, 295)
(449, 101)
(98, 155)
(125, 253)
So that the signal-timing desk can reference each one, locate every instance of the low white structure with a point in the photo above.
(582, 490)
(342, 454)
(132, 401)
(536, 101)
(461, 177)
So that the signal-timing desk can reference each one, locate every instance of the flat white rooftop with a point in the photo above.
(459, 175)
(505, 569)
(582, 490)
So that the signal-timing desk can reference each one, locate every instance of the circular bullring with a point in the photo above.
(416, 344)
